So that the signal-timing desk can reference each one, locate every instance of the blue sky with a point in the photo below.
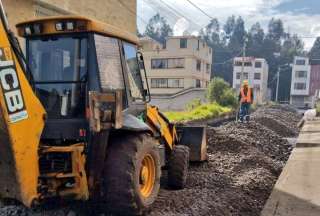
(299, 16)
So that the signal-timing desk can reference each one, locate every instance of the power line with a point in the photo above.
(180, 14)
(158, 8)
(202, 11)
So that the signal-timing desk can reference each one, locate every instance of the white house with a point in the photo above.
(255, 70)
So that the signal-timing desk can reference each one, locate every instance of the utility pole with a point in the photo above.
(242, 65)
(278, 80)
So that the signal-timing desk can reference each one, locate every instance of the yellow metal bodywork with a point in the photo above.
(160, 124)
(89, 25)
(56, 180)
(19, 139)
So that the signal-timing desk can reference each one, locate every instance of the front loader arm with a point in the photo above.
(160, 124)
(21, 123)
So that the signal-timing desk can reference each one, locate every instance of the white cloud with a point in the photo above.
(251, 11)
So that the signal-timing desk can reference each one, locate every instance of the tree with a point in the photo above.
(255, 41)
(220, 91)
(275, 29)
(211, 33)
(138, 33)
(229, 26)
(315, 50)
(158, 28)
(238, 35)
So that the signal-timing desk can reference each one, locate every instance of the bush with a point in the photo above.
(221, 92)
(228, 98)
(201, 112)
(318, 108)
(193, 104)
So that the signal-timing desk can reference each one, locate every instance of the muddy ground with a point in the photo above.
(244, 162)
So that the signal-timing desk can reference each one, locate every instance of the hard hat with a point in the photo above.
(245, 83)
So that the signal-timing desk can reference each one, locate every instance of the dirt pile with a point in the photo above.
(281, 119)
(244, 163)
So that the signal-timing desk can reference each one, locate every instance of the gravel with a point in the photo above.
(244, 162)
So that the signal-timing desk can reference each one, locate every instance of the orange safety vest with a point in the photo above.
(246, 98)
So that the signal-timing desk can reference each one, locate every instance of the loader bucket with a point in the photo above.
(195, 137)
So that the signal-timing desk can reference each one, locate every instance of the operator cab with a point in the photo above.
(71, 56)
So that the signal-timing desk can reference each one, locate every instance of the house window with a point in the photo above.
(167, 63)
(301, 74)
(164, 44)
(175, 83)
(198, 65)
(237, 63)
(159, 63)
(258, 64)
(208, 68)
(166, 83)
(300, 62)
(159, 83)
(256, 87)
(176, 63)
(300, 86)
(257, 76)
(245, 76)
(183, 43)
(198, 83)
(198, 47)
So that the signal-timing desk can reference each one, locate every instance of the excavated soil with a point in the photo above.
(244, 162)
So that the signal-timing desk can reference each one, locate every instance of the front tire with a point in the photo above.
(132, 174)
(178, 167)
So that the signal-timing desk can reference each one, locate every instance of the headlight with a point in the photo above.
(28, 30)
(37, 28)
(59, 26)
(70, 26)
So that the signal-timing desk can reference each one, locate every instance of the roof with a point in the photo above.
(249, 58)
(91, 26)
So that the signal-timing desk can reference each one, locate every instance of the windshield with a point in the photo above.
(59, 66)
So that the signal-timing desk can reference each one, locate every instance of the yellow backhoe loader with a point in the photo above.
(75, 121)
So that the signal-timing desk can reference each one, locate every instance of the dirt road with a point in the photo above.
(244, 163)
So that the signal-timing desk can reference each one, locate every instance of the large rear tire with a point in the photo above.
(178, 167)
(132, 174)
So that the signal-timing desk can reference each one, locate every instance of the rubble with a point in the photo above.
(244, 162)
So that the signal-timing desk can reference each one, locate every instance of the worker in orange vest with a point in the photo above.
(245, 99)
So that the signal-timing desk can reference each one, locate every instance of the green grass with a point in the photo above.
(318, 108)
(201, 112)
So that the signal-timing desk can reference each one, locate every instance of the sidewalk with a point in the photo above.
(297, 191)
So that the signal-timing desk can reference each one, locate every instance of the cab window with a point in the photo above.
(134, 73)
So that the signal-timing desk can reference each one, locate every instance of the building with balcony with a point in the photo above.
(178, 71)
(305, 81)
(255, 70)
